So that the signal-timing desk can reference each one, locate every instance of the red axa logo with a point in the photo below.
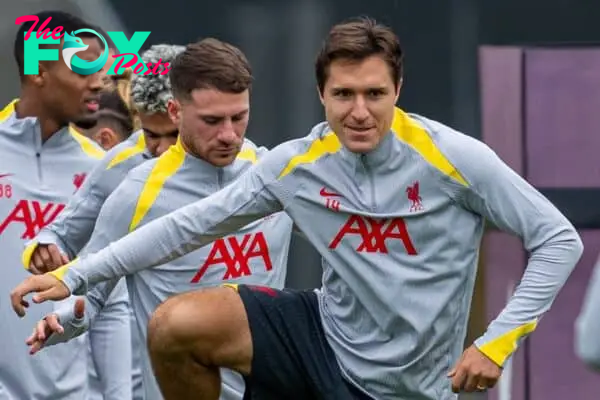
(236, 255)
(78, 180)
(33, 215)
(374, 233)
(412, 192)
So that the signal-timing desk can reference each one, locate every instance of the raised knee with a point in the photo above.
(164, 325)
(185, 322)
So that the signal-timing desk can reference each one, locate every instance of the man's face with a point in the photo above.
(159, 131)
(359, 99)
(212, 124)
(68, 95)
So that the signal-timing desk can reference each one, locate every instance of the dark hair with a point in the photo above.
(210, 63)
(357, 39)
(68, 21)
(109, 42)
(112, 112)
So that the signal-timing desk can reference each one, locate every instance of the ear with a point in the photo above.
(106, 138)
(174, 111)
(40, 78)
(320, 96)
(399, 86)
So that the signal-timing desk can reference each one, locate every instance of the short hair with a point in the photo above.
(210, 64)
(358, 39)
(151, 93)
(105, 35)
(69, 22)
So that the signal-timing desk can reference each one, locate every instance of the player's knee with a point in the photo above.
(189, 323)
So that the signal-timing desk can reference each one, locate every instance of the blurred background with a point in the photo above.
(521, 75)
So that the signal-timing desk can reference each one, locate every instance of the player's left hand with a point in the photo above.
(47, 286)
(474, 372)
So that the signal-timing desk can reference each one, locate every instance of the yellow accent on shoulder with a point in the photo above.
(8, 110)
(87, 145)
(125, 154)
(247, 154)
(328, 144)
(59, 273)
(499, 349)
(411, 133)
(28, 253)
(165, 167)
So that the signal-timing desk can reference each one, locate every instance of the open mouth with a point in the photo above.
(92, 105)
(359, 129)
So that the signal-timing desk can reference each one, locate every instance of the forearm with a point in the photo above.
(170, 236)
(547, 271)
(95, 300)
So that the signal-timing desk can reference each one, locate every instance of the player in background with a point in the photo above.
(396, 205)
(111, 124)
(70, 232)
(43, 161)
(211, 83)
(587, 325)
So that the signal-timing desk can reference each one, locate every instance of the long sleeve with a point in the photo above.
(177, 233)
(587, 326)
(72, 228)
(554, 247)
(95, 301)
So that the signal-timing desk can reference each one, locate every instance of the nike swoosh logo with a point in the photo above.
(325, 193)
(4, 175)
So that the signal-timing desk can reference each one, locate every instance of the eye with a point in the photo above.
(238, 118)
(342, 93)
(211, 120)
(375, 92)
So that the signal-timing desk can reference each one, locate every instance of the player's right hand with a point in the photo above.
(45, 258)
(49, 325)
(46, 286)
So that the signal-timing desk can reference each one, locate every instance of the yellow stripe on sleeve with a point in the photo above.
(328, 144)
(86, 144)
(59, 273)
(8, 110)
(28, 253)
(129, 152)
(165, 167)
(411, 133)
(499, 349)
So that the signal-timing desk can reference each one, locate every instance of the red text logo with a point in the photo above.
(235, 256)
(374, 234)
(33, 215)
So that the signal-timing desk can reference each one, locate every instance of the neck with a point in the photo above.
(29, 105)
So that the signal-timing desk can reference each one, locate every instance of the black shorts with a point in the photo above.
(292, 358)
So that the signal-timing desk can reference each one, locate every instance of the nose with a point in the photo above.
(360, 111)
(227, 133)
(95, 81)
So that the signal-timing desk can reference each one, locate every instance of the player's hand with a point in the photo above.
(47, 287)
(49, 325)
(46, 258)
(474, 372)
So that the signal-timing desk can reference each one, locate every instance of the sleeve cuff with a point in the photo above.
(73, 327)
(44, 237)
(500, 347)
(71, 278)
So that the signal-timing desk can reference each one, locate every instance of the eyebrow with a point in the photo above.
(201, 115)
